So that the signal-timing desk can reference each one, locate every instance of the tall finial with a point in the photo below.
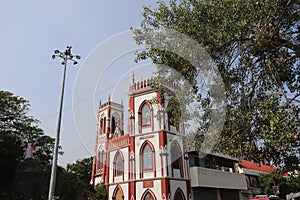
(109, 98)
(122, 101)
(99, 106)
(132, 76)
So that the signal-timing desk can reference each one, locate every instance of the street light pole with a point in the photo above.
(66, 55)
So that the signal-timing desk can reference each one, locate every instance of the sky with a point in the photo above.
(31, 30)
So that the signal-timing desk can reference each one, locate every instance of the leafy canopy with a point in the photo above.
(16, 128)
(285, 185)
(16, 123)
(256, 48)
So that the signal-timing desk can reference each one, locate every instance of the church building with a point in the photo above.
(147, 160)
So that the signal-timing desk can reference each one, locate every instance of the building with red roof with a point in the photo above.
(252, 170)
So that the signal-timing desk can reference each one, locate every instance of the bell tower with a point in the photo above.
(110, 125)
(147, 162)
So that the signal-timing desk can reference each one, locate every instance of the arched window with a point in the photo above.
(146, 116)
(148, 196)
(100, 160)
(113, 124)
(118, 194)
(115, 121)
(102, 124)
(147, 158)
(118, 164)
(172, 111)
(176, 160)
(179, 195)
(145, 120)
(171, 119)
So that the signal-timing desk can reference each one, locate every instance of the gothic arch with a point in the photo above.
(145, 114)
(118, 193)
(100, 158)
(102, 124)
(148, 195)
(172, 123)
(118, 165)
(176, 159)
(115, 121)
(147, 161)
(179, 195)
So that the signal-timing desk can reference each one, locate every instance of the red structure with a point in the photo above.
(147, 160)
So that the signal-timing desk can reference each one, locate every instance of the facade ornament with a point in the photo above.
(163, 151)
(132, 156)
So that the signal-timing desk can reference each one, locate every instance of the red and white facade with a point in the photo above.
(147, 161)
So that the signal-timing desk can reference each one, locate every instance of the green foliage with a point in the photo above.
(69, 186)
(13, 113)
(16, 123)
(16, 128)
(82, 169)
(30, 178)
(10, 150)
(267, 181)
(101, 193)
(74, 182)
(286, 185)
(256, 48)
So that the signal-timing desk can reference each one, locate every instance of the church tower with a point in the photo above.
(110, 125)
(148, 161)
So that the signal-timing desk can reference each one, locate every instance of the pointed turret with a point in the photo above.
(132, 77)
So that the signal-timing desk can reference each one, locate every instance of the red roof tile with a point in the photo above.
(259, 167)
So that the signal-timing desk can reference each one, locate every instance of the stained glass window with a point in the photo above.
(146, 115)
(147, 157)
(119, 165)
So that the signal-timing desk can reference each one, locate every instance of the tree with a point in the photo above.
(77, 180)
(285, 185)
(16, 128)
(10, 150)
(101, 192)
(69, 186)
(16, 123)
(33, 176)
(267, 181)
(82, 169)
(255, 46)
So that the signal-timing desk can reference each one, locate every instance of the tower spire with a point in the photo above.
(132, 76)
